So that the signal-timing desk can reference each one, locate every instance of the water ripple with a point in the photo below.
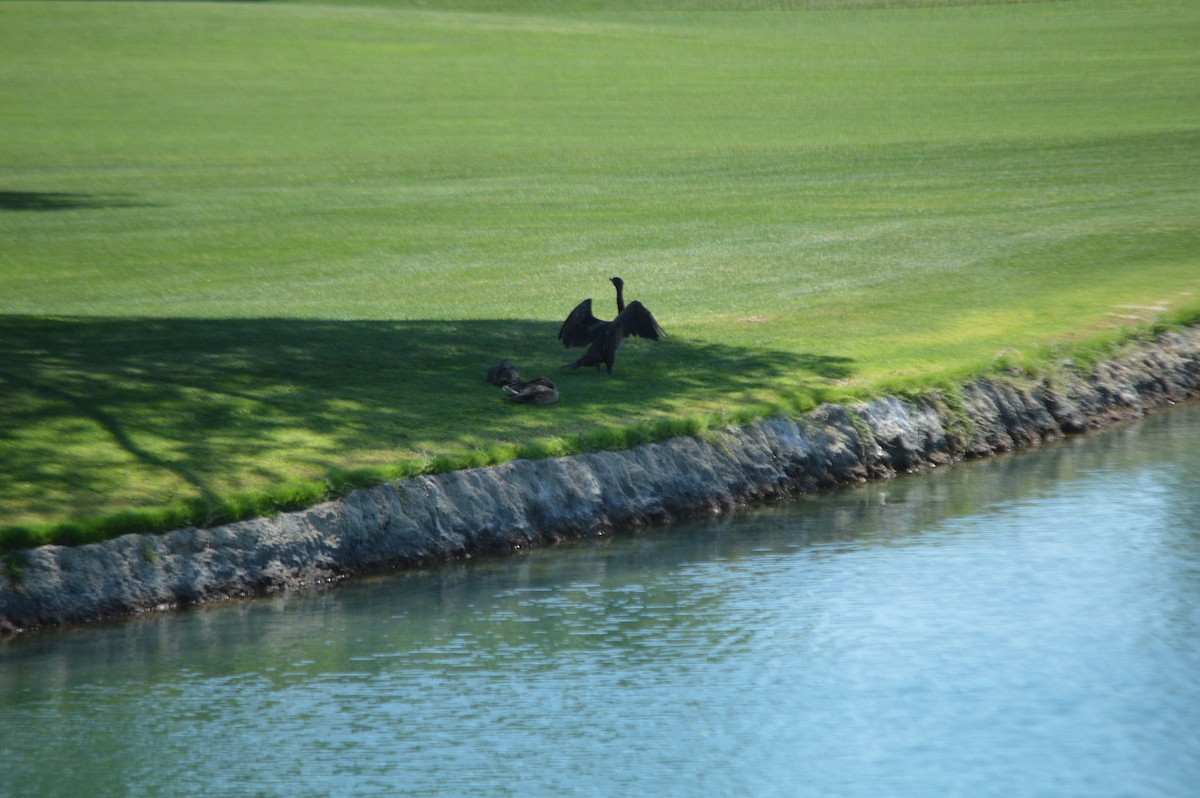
(1024, 625)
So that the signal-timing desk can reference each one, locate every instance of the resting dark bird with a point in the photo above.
(538, 391)
(503, 373)
(604, 338)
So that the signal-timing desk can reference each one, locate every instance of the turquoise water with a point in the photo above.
(1023, 626)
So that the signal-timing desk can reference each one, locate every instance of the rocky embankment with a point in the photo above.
(531, 503)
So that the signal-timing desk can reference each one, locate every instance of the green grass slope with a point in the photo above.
(250, 251)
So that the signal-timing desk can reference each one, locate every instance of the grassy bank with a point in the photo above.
(255, 254)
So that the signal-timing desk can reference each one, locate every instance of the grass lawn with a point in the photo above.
(247, 248)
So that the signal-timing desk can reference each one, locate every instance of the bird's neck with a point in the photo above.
(620, 298)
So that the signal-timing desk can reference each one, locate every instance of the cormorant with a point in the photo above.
(503, 373)
(538, 391)
(604, 338)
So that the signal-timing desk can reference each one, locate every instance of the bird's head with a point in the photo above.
(617, 281)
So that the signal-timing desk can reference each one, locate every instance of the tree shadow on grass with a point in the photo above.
(94, 406)
(62, 201)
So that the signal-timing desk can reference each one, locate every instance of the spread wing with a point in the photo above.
(637, 320)
(577, 329)
(634, 320)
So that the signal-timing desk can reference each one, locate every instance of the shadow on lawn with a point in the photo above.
(204, 398)
(61, 201)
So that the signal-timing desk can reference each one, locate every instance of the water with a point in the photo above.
(1023, 626)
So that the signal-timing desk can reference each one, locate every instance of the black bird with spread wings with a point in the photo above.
(604, 338)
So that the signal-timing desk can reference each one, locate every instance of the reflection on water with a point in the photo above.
(1023, 625)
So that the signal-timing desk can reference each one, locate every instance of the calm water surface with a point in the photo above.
(1023, 626)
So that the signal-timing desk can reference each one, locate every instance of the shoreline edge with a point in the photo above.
(522, 504)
